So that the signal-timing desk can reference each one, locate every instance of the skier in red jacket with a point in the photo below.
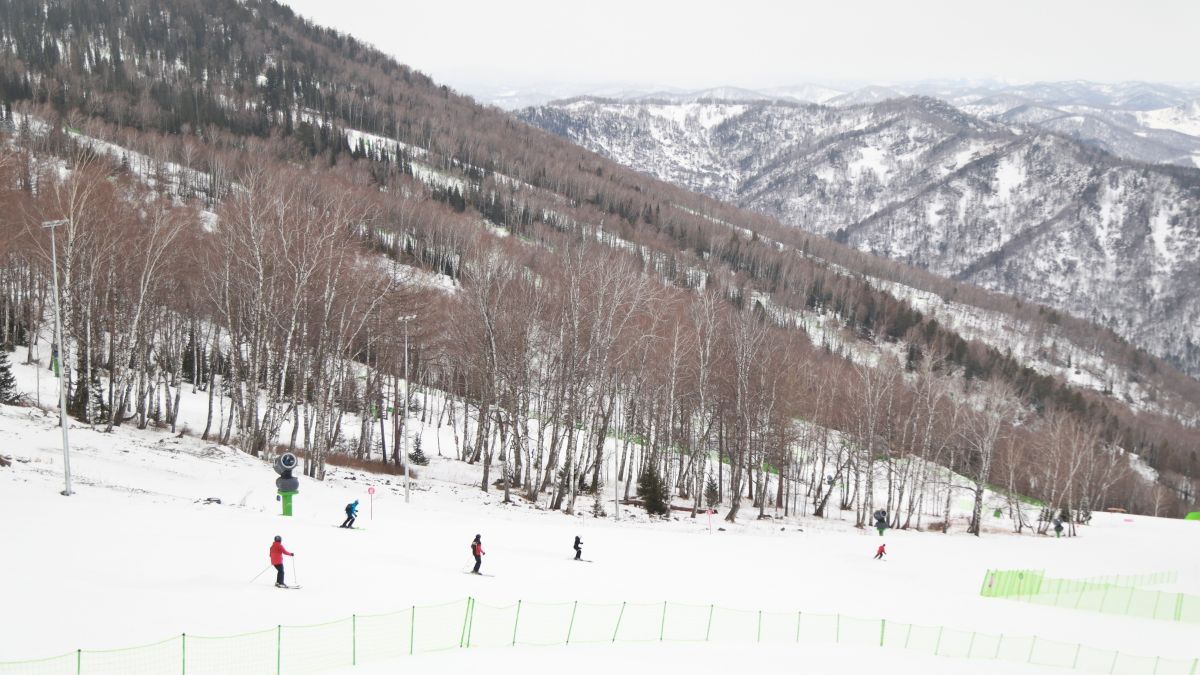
(277, 553)
(477, 551)
(881, 552)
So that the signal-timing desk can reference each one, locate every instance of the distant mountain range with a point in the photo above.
(1147, 122)
(1007, 198)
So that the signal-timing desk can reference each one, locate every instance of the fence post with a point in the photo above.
(708, 628)
(798, 627)
(1113, 668)
(938, 645)
(971, 645)
(1075, 661)
(998, 643)
(1032, 646)
(354, 639)
(837, 629)
(882, 628)
(278, 649)
(758, 638)
(983, 587)
(183, 653)
(462, 636)
(516, 622)
(1104, 598)
(617, 629)
(662, 626)
(78, 661)
(1179, 606)
(412, 630)
(1195, 665)
(571, 625)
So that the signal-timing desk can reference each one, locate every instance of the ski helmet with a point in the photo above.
(278, 538)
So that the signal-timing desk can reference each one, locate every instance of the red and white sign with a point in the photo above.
(370, 490)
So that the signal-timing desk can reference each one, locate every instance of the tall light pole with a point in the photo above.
(63, 367)
(404, 409)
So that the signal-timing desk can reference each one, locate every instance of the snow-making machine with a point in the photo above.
(287, 484)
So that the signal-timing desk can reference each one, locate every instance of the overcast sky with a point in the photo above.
(759, 43)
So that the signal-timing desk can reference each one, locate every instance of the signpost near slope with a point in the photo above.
(371, 492)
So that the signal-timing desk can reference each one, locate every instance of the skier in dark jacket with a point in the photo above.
(578, 547)
(351, 514)
(277, 553)
(477, 551)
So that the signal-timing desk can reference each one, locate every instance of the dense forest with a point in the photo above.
(253, 204)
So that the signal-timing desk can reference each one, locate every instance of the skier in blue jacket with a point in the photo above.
(351, 514)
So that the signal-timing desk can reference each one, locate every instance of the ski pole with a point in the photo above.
(256, 576)
(294, 575)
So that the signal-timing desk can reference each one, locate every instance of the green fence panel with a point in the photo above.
(735, 625)
(317, 648)
(1188, 609)
(956, 643)
(897, 635)
(778, 628)
(1015, 648)
(438, 627)
(54, 665)
(984, 646)
(381, 637)
(856, 631)
(491, 625)
(1092, 660)
(595, 623)
(1117, 595)
(1053, 653)
(245, 654)
(690, 623)
(818, 628)
(161, 657)
(543, 624)
(1128, 664)
(642, 622)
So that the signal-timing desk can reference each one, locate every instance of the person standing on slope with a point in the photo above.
(578, 547)
(351, 514)
(477, 551)
(277, 553)
(881, 552)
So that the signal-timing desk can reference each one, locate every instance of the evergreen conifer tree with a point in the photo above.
(653, 493)
(8, 383)
(417, 456)
(710, 492)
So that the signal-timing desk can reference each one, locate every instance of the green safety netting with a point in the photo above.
(468, 624)
(1118, 594)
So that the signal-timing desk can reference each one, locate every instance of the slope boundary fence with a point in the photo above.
(469, 624)
(1118, 595)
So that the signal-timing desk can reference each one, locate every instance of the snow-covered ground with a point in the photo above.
(136, 556)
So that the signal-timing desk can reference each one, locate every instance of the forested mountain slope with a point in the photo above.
(1011, 208)
(254, 204)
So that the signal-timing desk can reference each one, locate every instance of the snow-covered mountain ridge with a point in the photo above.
(1010, 208)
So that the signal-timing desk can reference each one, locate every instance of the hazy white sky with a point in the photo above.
(758, 43)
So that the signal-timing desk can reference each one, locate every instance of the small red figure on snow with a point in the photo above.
(881, 552)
